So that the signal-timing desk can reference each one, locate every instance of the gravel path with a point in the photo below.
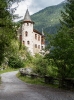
(14, 89)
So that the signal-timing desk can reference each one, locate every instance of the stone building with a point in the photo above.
(29, 37)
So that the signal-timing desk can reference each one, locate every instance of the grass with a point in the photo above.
(7, 70)
(37, 81)
(30, 80)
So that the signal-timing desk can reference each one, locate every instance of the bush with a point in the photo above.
(40, 66)
(15, 62)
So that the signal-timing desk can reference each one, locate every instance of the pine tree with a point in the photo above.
(68, 15)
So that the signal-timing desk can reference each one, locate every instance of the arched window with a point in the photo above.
(42, 47)
(26, 33)
(42, 40)
(35, 36)
(28, 42)
(38, 46)
(27, 24)
(35, 45)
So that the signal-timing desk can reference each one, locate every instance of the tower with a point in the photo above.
(30, 37)
(27, 32)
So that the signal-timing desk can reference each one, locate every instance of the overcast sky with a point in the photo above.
(34, 6)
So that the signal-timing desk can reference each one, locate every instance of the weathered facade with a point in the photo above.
(29, 37)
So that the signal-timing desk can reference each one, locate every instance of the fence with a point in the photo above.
(68, 83)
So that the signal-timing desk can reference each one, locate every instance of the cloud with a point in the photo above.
(37, 5)
(34, 5)
(23, 6)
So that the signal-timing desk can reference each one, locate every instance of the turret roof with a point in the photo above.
(27, 16)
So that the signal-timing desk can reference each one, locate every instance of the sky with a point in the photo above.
(34, 6)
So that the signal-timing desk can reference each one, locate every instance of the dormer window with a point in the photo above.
(26, 33)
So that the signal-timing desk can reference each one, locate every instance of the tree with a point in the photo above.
(62, 45)
(40, 65)
(62, 53)
(68, 15)
(7, 29)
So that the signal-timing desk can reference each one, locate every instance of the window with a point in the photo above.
(42, 40)
(35, 45)
(28, 42)
(35, 36)
(42, 47)
(27, 24)
(38, 37)
(38, 46)
(26, 33)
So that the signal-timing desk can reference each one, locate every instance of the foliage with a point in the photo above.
(6, 29)
(68, 15)
(62, 53)
(8, 69)
(15, 62)
(18, 57)
(62, 45)
(40, 65)
(30, 80)
(7, 26)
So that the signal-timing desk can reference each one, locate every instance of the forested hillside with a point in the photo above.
(48, 18)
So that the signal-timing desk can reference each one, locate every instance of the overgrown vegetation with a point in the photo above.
(62, 46)
(36, 81)
(8, 69)
(58, 64)
(30, 80)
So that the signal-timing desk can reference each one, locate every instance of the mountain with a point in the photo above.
(48, 18)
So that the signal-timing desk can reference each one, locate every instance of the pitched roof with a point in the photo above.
(34, 30)
(27, 16)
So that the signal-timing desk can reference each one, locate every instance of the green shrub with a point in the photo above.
(40, 66)
(15, 62)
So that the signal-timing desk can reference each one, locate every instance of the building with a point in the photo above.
(29, 37)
